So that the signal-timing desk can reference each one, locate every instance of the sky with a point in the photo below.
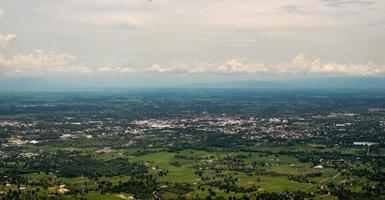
(190, 41)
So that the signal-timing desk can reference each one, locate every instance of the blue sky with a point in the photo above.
(191, 41)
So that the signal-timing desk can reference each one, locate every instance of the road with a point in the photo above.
(323, 180)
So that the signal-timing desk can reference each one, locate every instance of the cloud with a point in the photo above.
(117, 70)
(290, 8)
(163, 31)
(5, 39)
(229, 67)
(37, 63)
(232, 66)
(1, 13)
(41, 63)
(163, 15)
(349, 2)
(302, 66)
(47, 63)
(298, 66)
(117, 20)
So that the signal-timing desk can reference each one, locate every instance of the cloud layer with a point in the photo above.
(41, 63)
(197, 38)
(298, 66)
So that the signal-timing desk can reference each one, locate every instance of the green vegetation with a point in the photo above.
(191, 146)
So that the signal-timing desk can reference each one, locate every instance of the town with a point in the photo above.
(175, 144)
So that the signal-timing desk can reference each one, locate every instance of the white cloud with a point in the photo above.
(117, 70)
(5, 39)
(1, 13)
(232, 66)
(41, 63)
(159, 30)
(242, 66)
(229, 67)
(49, 63)
(298, 66)
(302, 66)
(196, 29)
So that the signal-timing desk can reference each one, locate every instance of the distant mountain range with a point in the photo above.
(27, 84)
(318, 83)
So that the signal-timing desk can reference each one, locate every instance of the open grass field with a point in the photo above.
(181, 167)
(98, 196)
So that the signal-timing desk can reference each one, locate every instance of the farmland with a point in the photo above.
(147, 146)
